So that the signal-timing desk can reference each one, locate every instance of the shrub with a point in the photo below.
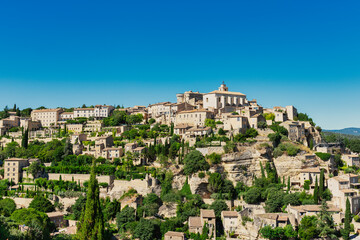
(323, 156)
(201, 174)
(214, 158)
(277, 152)
(307, 185)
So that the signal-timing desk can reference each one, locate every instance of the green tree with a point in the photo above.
(25, 139)
(78, 207)
(42, 204)
(38, 222)
(316, 191)
(262, 171)
(91, 225)
(216, 182)
(126, 215)
(253, 195)
(35, 168)
(321, 184)
(288, 185)
(218, 206)
(194, 162)
(274, 201)
(145, 230)
(346, 231)
(308, 228)
(325, 222)
(7, 207)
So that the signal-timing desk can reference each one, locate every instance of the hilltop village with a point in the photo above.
(209, 166)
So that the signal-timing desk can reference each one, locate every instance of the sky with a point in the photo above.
(69, 53)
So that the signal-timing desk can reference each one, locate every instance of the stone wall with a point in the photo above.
(143, 187)
(79, 177)
(210, 150)
(22, 202)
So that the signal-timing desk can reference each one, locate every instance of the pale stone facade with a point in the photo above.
(342, 188)
(47, 117)
(13, 169)
(222, 97)
(97, 112)
(351, 160)
(194, 117)
(174, 236)
(230, 221)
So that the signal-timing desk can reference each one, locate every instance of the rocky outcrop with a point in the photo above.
(291, 166)
(198, 185)
(244, 164)
(168, 210)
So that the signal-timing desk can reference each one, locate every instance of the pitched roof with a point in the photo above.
(195, 110)
(205, 213)
(227, 93)
(230, 214)
(195, 222)
(310, 170)
(47, 110)
(174, 234)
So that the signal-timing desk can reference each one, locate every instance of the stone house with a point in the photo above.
(296, 131)
(206, 216)
(13, 169)
(343, 187)
(57, 218)
(78, 138)
(351, 160)
(194, 117)
(234, 123)
(174, 236)
(309, 174)
(113, 152)
(222, 97)
(93, 126)
(273, 220)
(230, 221)
(47, 117)
(312, 210)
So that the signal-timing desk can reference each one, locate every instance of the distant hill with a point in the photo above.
(348, 131)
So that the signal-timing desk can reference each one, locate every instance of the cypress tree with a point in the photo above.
(25, 139)
(288, 185)
(316, 192)
(321, 186)
(91, 224)
(172, 129)
(262, 171)
(347, 222)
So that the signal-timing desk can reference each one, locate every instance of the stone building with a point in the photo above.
(343, 187)
(174, 236)
(13, 169)
(222, 97)
(230, 221)
(194, 117)
(351, 160)
(206, 216)
(97, 112)
(47, 117)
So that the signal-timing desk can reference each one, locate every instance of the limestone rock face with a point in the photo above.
(291, 166)
(245, 164)
(178, 181)
(168, 210)
(198, 185)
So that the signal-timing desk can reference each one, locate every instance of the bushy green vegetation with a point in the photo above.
(323, 156)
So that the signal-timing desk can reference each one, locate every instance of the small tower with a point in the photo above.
(223, 87)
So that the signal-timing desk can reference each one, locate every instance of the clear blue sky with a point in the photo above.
(66, 53)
